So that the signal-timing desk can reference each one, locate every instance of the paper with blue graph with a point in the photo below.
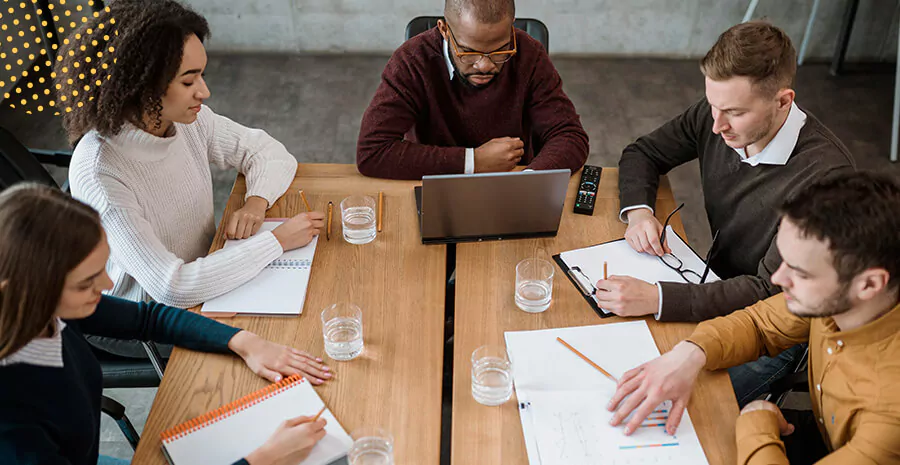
(279, 289)
(562, 399)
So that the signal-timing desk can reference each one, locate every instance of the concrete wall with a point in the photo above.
(672, 28)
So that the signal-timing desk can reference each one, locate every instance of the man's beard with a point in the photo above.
(762, 132)
(465, 77)
(837, 303)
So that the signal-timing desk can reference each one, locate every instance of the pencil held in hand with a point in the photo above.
(605, 271)
(305, 202)
(316, 418)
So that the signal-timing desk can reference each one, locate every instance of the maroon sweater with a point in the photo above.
(420, 122)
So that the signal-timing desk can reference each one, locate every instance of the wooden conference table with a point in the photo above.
(400, 285)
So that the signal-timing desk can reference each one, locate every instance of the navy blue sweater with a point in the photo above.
(52, 415)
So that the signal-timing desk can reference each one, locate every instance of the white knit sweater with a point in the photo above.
(155, 198)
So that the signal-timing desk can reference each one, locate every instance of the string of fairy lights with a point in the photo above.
(24, 54)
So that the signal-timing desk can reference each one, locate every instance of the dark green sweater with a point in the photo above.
(52, 415)
(741, 203)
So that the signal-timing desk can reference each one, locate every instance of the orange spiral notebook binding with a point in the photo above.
(227, 410)
(236, 429)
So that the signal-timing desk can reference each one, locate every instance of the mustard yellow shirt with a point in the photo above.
(854, 379)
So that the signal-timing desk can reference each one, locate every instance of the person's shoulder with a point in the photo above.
(820, 145)
(419, 52)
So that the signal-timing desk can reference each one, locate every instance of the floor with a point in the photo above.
(313, 105)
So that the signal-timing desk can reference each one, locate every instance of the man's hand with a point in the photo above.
(501, 154)
(627, 296)
(786, 429)
(668, 377)
(246, 221)
(643, 233)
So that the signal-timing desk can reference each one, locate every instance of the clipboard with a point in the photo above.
(585, 292)
(641, 266)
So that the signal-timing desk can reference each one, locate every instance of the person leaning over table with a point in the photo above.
(840, 278)
(145, 143)
(472, 95)
(53, 254)
(755, 146)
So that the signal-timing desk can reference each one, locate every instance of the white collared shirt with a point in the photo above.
(40, 351)
(470, 152)
(780, 148)
(776, 152)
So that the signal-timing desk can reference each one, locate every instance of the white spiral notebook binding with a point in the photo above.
(279, 289)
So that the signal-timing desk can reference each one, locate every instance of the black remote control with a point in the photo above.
(587, 189)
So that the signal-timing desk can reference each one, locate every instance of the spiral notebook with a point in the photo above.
(279, 289)
(231, 432)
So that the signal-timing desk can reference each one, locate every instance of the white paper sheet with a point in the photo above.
(622, 260)
(564, 418)
(235, 436)
(279, 289)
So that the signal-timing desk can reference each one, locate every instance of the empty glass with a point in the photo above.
(534, 285)
(371, 446)
(343, 331)
(358, 219)
(492, 382)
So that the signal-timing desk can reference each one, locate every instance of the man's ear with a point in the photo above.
(442, 27)
(871, 282)
(785, 98)
(3, 284)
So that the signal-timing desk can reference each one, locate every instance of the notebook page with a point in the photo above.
(279, 289)
(235, 436)
(564, 398)
(572, 428)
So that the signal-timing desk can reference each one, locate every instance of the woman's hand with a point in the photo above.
(247, 220)
(274, 361)
(290, 444)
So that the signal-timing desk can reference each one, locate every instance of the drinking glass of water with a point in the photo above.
(343, 331)
(534, 285)
(371, 446)
(358, 219)
(491, 375)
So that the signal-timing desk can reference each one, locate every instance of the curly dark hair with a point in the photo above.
(116, 67)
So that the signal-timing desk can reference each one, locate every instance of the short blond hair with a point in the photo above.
(757, 50)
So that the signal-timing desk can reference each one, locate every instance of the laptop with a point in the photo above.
(491, 206)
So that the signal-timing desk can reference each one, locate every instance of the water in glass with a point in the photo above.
(359, 224)
(371, 450)
(533, 295)
(491, 380)
(343, 338)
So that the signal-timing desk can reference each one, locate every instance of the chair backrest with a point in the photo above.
(533, 27)
(17, 163)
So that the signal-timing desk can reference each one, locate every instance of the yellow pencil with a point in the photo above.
(305, 202)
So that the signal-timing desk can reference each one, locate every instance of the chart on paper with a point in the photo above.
(572, 428)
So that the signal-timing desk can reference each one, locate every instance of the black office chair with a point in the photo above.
(798, 381)
(18, 164)
(533, 27)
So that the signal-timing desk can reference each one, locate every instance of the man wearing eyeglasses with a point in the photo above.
(755, 146)
(472, 95)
